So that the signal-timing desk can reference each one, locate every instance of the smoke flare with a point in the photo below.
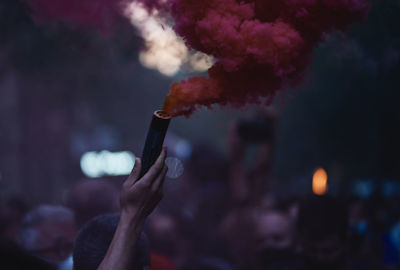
(260, 46)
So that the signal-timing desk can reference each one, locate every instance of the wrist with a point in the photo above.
(130, 221)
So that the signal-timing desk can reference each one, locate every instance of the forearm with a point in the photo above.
(138, 199)
(120, 252)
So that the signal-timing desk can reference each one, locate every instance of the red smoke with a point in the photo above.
(99, 14)
(261, 45)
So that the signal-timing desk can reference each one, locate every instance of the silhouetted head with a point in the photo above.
(92, 198)
(48, 232)
(274, 230)
(274, 234)
(13, 257)
(95, 237)
(322, 229)
(12, 211)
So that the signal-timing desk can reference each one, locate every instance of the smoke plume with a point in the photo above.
(261, 46)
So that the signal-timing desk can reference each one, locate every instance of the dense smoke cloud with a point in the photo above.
(260, 46)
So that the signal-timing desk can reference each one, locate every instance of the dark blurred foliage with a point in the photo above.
(346, 116)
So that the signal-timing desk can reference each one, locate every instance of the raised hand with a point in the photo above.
(139, 196)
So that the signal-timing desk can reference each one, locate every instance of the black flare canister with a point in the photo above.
(154, 140)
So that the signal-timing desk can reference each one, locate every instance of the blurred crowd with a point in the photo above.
(221, 214)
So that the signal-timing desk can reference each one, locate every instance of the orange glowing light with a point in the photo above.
(320, 182)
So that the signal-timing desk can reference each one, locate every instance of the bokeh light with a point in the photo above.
(175, 167)
(97, 164)
(320, 182)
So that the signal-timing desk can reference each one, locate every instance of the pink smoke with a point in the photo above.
(261, 45)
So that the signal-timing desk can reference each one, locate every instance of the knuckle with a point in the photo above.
(146, 184)
(126, 184)
(158, 166)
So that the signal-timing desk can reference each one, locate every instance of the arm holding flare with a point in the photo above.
(140, 194)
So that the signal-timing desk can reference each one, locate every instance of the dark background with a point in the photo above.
(65, 90)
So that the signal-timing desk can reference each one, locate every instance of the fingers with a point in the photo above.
(159, 182)
(156, 169)
(134, 176)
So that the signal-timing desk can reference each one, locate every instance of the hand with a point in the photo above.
(139, 197)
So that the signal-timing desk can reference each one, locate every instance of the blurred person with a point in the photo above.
(238, 233)
(322, 233)
(206, 174)
(290, 205)
(390, 249)
(274, 233)
(12, 211)
(163, 234)
(266, 202)
(105, 243)
(358, 222)
(95, 237)
(391, 238)
(209, 264)
(207, 241)
(48, 233)
(379, 220)
(359, 231)
(197, 203)
(166, 238)
(160, 262)
(247, 185)
(251, 183)
(92, 198)
(14, 258)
